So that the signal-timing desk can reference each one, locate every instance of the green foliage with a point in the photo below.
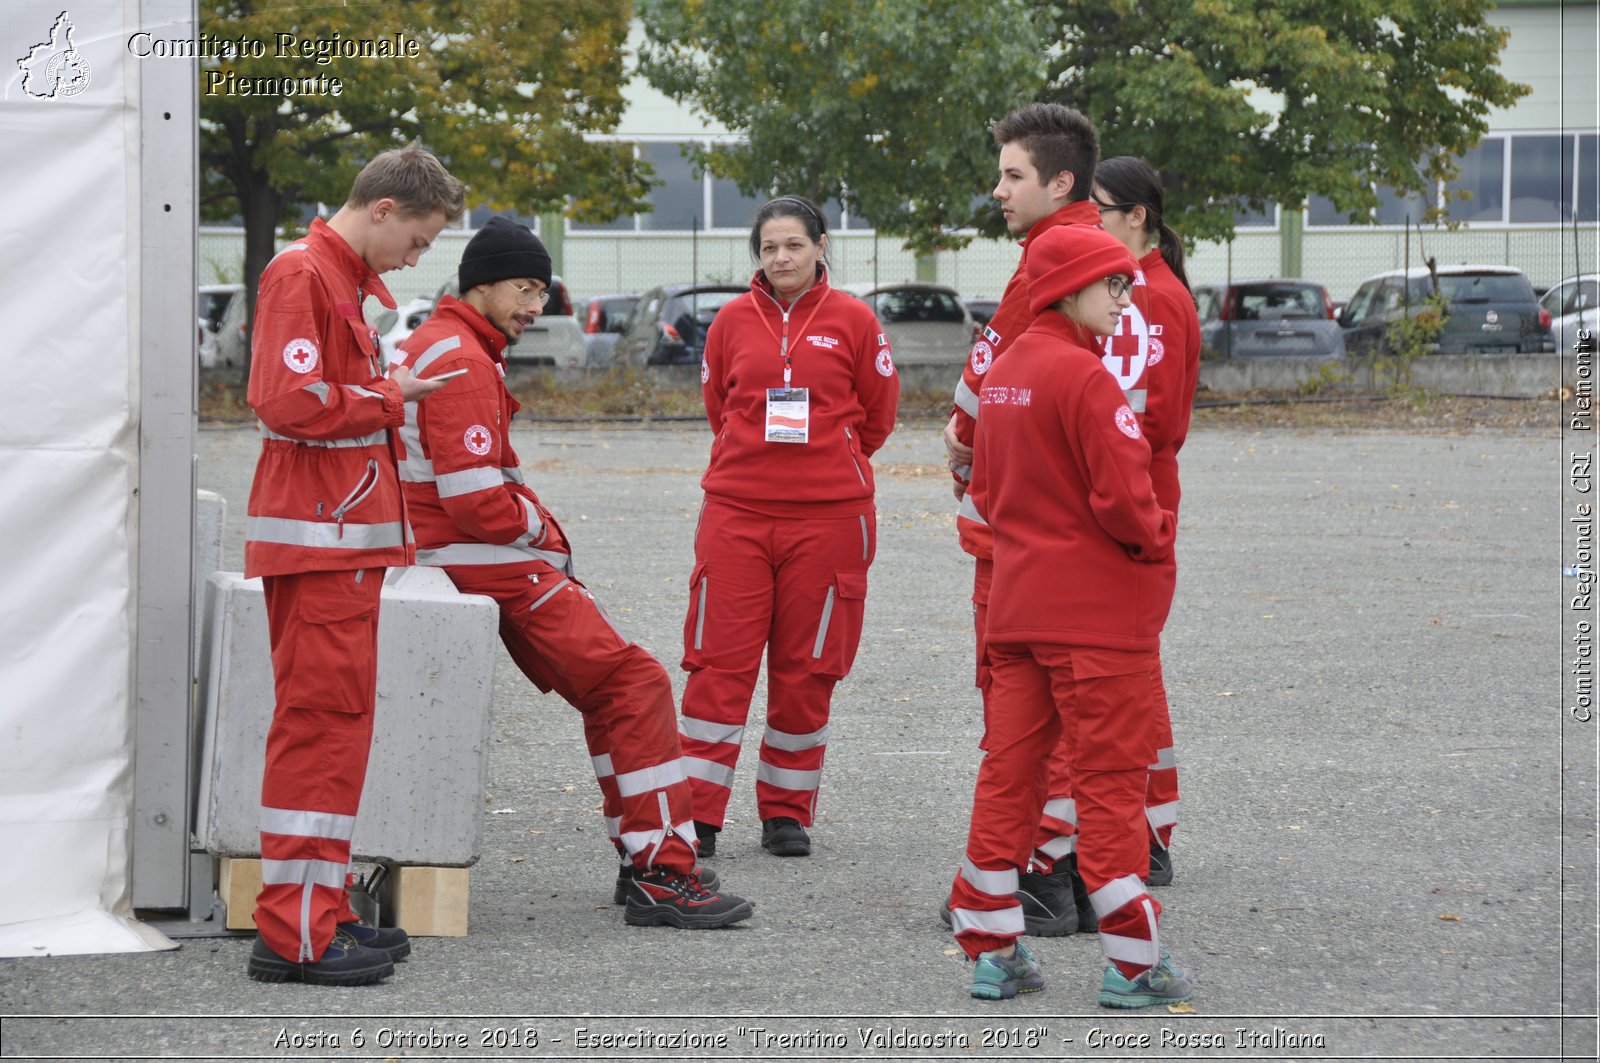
(884, 104)
(502, 91)
(1255, 102)
(1407, 339)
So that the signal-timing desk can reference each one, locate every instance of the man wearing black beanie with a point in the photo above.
(473, 516)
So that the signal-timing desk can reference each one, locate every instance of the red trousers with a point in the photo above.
(1100, 703)
(563, 641)
(795, 588)
(1058, 821)
(323, 628)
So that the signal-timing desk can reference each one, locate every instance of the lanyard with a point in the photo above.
(783, 343)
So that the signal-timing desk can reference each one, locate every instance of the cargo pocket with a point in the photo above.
(694, 624)
(1114, 700)
(839, 628)
(335, 633)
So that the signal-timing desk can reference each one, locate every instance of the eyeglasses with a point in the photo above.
(526, 296)
(1121, 208)
(1118, 285)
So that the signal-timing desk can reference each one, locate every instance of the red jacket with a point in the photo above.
(325, 495)
(1155, 356)
(1082, 551)
(1011, 318)
(463, 482)
(837, 351)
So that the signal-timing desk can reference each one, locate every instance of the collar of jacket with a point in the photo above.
(759, 283)
(345, 258)
(494, 341)
(1083, 212)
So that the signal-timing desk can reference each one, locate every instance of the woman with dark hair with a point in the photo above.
(1157, 355)
(800, 390)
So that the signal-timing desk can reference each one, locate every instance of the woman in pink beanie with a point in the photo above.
(1082, 584)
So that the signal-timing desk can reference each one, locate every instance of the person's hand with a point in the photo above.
(412, 387)
(959, 452)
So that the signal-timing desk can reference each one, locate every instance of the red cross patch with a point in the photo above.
(300, 355)
(477, 440)
(885, 362)
(1127, 423)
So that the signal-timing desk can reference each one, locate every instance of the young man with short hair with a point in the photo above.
(325, 520)
(1048, 154)
(476, 518)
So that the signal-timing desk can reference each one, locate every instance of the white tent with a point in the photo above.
(96, 472)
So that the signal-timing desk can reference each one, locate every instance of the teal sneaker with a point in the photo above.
(998, 977)
(1161, 984)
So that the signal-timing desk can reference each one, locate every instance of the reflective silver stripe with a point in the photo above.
(787, 778)
(1063, 808)
(551, 593)
(966, 398)
(320, 389)
(375, 439)
(614, 827)
(307, 872)
(536, 528)
(602, 766)
(308, 824)
(1001, 883)
(700, 613)
(1135, 397)
(637, 841)
(1130, 950)
(866, 542)
(708, 771)
(1059, 846)
(1005, 922)
(512, 474)
(822, 627)
(1115, 894)
(1166, 759)
(364, 392)
(795, 743)
(490, 554)
(656, 777)
(969, 509)
(291, 247)
(707, 731)
(323, 534)
(963, 472)
(415, 469)
(452, 484)
(1165, 815)
(434, 353)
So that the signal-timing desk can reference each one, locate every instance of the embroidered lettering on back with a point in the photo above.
(1004, 395)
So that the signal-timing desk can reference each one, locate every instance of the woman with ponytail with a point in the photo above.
(1156, 355)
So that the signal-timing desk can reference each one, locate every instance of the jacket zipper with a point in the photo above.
(853, 461)
(367, 484)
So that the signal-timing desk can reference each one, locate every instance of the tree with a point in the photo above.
(883, 104)
(502, 91)
(1255, 102)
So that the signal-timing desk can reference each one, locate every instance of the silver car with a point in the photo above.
(1268, 318)
(1573, 305)
(927, 324)
(554, 337)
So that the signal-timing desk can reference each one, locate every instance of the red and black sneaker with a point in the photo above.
(660, 897)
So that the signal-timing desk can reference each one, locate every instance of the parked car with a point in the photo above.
(927, 324)
(1574, 304)
(603, 318)
(552, 339)
(1268, 318)
(1491, 310)
(393, 326)
(982, 309)
(668, 326)
(220, 324)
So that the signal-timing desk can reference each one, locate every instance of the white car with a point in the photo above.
(393, 326)
(1574, 304)
(220, 323)
(927, 324)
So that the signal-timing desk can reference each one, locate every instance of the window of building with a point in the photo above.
(1541, 179)
(678, 201)
(1588, 197)
(1483, 176)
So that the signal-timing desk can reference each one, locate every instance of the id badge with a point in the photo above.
(788, 415)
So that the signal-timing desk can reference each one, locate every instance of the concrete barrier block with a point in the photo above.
(423, 802)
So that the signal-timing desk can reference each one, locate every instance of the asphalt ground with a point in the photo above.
(1386, 847)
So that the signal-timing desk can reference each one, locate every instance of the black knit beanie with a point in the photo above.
(503, 249)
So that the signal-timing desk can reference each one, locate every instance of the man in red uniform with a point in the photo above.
(325, 519)
(1047, 160)
(476, 518)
